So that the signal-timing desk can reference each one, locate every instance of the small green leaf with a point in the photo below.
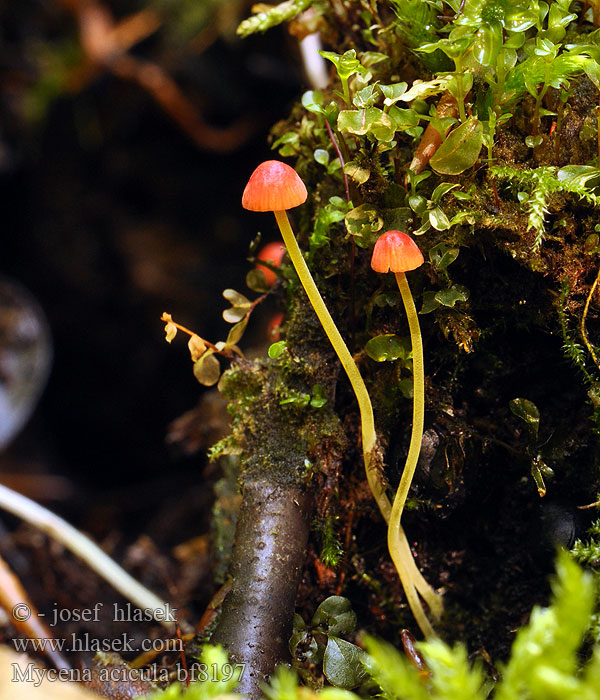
(357, 172)
(438, 219)
(538, 470)
(460, 150)
(276, 349)
(300, 400)
(442, 189)
(534, 141)
(318, 399)
(312, 100)
(372, 58)
(345, 64)
(449, 297)
(488, 43)
(442, 255)
(342, 664)
(365, 97)
(392, 93)
(335, 616)
(362, 222)
(417, 203)
(407, 388)
(527, 411)
(403, 119)
(321, 156)
(386, 347)
(430, 303)
(366, 121)
(288, 137)
(303, 646)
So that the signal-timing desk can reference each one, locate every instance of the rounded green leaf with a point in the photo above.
(362, 222)
(438, 219)
(392, 93)
(342, 664)
(366, 121)
(312, 100)
(417, 203)
(534, 141)
(442, 255)
(527, 411)
(385, 348)
(357, 172)
(430, 303)
(335, 616)
(488, 42)
(303, 646)
(321, 156)
(449, 297)
(276, 349)
(460, 150)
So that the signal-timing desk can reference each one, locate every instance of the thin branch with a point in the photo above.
(83, 547)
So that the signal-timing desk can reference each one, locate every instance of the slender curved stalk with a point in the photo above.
(358, 385)
(410, 576)
(416, 435)
(401, 562)
(87, 550)
(584, 335)
(397, 542)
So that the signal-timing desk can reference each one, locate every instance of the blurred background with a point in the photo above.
(128, 131)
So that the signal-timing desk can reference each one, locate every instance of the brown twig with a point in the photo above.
(106, 44)
(24, 615)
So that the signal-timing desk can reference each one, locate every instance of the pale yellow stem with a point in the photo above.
(360, 390)
(416, 436)
(410, 576)
(402, 562)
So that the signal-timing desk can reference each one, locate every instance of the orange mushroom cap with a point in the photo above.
(396, 251)
(274, 186)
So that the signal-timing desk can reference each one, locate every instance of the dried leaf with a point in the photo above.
(236, 332)
(234, 314)
(236, 299)
(207, 369)
(171, 331)
(196, 347)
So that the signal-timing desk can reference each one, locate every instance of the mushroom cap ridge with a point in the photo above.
(395, 251)
(273, 186)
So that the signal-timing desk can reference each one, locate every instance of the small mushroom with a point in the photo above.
(276, 187)
(396, 252)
